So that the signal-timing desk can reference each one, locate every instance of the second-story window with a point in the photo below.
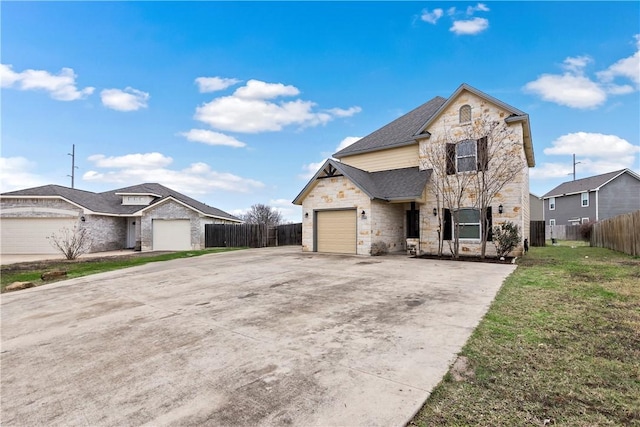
(584, 199)
(552, 203)
(467, 156)
(465, 114)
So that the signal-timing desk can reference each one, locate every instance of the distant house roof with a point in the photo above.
(389, 185)
(591, 183)
(110, 202)
(406, 130)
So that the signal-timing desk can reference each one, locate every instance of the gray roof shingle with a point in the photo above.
(399, 132)
(388, 185)
(584, 184)
(110, 202)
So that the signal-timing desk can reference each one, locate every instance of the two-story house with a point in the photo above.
(593, 199)
(379, 190)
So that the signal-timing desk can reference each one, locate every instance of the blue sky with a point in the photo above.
(237, 103)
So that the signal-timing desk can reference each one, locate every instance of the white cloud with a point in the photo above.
(250, 110)
(431, 17)
(340, 112)
(596, 153)
(214, 84)
(480, 7)
(197, 178)
(568, 89)
(256, 89)
(627, 67)
(15, 174)
(61, 86)
(138, 160)
(289, 211)
(310, 169)
(347, 142)
(212, 138)
(576, 90)
(470, 26)
(129, 99)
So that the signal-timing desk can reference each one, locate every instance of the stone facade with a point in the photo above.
(108, 233)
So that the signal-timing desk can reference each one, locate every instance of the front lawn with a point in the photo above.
(560, 345)
(31, 271)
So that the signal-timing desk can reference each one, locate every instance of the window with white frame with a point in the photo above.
(552, 203)
(552, 222)
(469, 222)
(466, 156)
(585, 220)
(584, 199)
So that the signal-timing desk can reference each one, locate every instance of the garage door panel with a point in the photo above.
(336, 231)
(30, 235)
(171, 235)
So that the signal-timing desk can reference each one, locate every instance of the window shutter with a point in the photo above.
(451, 159)
(446, 227)
(489, 224)
(483, 154)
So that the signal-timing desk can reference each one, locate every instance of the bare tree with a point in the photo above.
(71, 242)
(263, 215)
(460, 181)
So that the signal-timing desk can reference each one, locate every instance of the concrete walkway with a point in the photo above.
(248, 338)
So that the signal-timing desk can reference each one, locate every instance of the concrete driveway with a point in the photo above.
(256, 337)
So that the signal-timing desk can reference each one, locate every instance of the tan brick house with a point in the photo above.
(379, 189)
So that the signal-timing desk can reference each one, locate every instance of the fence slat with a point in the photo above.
(251, 235)
(620, 233)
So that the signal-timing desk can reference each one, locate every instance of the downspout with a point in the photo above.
(597, 211)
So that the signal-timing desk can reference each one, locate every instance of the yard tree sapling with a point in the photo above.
(71, 242)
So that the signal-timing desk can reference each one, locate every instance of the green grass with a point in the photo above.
(31, 271)
(560, 345)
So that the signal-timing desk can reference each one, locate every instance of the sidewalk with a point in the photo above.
(6, 259)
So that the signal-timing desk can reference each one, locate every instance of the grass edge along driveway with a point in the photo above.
(31, 271)
(560, 345)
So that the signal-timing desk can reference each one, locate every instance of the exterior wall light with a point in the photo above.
(500, 208)
(435, 212)
(364, 215)
(306, 214)
(82, 218)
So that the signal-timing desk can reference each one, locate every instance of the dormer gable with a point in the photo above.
(138, 199)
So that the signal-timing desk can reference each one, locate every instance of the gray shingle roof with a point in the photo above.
(399, 132)
(584, 184)
(388, 185)
(109, 202)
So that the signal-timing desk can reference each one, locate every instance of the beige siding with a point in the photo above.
(395, 158)
(336, 231)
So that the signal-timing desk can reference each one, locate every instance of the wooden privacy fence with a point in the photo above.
(563, 232)
(620, 233)
(251, 235)
(536, 233)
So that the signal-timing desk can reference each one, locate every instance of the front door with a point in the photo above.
(131, 232)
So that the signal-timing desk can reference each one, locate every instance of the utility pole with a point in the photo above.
(574, 166)
(73, 164)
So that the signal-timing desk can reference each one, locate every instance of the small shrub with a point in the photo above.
(585, 230)
(505, 238)
(71, 242)
(378, 248)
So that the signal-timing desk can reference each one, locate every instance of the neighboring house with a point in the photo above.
(592, 199)
(145, 217)
(536, 208)
(378, 190)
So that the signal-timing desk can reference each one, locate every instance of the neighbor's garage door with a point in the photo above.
(336, 231)
(29, 235)
(171, 235)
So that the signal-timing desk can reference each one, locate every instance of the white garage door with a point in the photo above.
(336, 231)
(171, 235)
(29, 235)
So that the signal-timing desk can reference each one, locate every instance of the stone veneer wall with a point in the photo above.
(514, 196)
(387, 224)
(337, 193)
(171, 210)
(108, 233)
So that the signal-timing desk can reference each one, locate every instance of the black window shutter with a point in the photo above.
(489, 225)
(483, 154)
(446, 227)
(451, 159)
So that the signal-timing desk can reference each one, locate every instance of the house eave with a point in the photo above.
(372, 150)
(186, 205)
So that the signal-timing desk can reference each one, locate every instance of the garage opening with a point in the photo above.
(336, 231)
(171, 234)
(30, 235)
